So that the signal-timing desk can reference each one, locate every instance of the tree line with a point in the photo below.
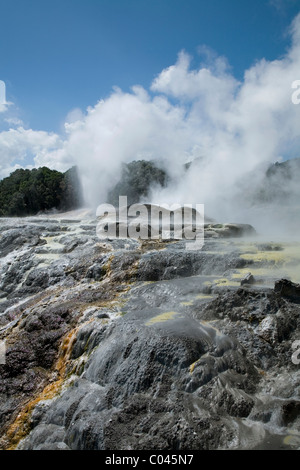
(28, 192)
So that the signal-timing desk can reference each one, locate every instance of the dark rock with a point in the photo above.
(171, 265)
(156, 405)
(290, 412)
(176, 363)
(14, 239)
(286, 288)
(228, 230)
(248, 279)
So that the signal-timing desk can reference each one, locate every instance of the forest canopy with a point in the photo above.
(27, 192)
(136, 180)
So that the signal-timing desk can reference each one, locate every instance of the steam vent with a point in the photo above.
(122, 343)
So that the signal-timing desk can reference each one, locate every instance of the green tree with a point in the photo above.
(136, 180)
(27, 192)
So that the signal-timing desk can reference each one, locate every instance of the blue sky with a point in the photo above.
(60, 54)
(97, 83)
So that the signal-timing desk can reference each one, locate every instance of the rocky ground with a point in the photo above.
(121, 344)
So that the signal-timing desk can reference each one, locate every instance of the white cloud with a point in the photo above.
(237, 126)
(20, 145)
(4, 104)
(2, 96)
(14, 121)
(203, 84)
(74, 116)
(3, 107)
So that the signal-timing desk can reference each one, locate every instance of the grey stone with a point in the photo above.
(130, 344)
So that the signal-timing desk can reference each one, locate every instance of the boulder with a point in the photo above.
(289, 289)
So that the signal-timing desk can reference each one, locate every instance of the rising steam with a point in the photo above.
(232, 130)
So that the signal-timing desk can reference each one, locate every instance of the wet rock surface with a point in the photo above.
(121, 344)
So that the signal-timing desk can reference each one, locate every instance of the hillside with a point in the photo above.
(27, 192)
(280, 183)
(136, 180)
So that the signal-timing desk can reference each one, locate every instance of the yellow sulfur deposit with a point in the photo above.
(163, 317)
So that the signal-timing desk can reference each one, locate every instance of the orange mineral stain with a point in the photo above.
(21, 426)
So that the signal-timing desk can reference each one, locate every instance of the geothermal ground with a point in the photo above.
(122, 344)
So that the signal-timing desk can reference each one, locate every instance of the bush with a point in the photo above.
(27, 192)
